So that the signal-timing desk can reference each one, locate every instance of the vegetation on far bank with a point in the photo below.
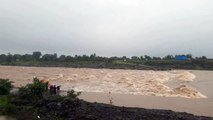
(93, 61)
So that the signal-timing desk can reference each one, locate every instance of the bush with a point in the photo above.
(5, 86)
(34, 90)
(37, 88)
(24, 92)
(72, 94)
(6, 106)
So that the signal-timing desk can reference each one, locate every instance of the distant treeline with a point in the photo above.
(93, 61)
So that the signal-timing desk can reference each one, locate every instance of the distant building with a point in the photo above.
(181, 57)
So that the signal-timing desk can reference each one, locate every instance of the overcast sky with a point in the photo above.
(107, 27)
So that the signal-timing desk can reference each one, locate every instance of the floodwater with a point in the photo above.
(178, 90)
(176, 83)
(203, 106)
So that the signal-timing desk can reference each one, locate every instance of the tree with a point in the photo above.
(3, 58)
(93, 56)
(203, 57)
(54, 57)
(85, 57)
(62, 58)
(147, 57)
(156, 58)
(69, 58)
(124, 58)
(134, 58)
(189, 56)
(49, 57)
(46, 57)
(36, 55)
(142, 58)
(168, 57)
(9, 57)
(17, 57)
(27, 57)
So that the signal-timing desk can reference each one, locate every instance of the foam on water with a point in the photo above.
(139, 83)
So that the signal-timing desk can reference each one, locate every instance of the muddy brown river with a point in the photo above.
(178, 90)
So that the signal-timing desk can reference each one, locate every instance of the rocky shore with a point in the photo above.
(51, 109)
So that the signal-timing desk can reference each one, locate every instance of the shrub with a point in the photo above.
(72, 94)
(6, 106)
(5, 86)
(34, 90)
(37, 88)
(24, 92)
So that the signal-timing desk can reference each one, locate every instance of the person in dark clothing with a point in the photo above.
(54, 90)
(51, 89)
(58, 88)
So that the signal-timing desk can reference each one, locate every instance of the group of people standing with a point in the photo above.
(54, 89)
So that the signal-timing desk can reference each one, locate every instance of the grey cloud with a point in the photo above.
(107, 27)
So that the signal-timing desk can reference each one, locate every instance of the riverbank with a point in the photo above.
(65, 109)
(95, 111)
(201, 107)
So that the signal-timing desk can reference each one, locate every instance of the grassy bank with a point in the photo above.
(142, 63)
